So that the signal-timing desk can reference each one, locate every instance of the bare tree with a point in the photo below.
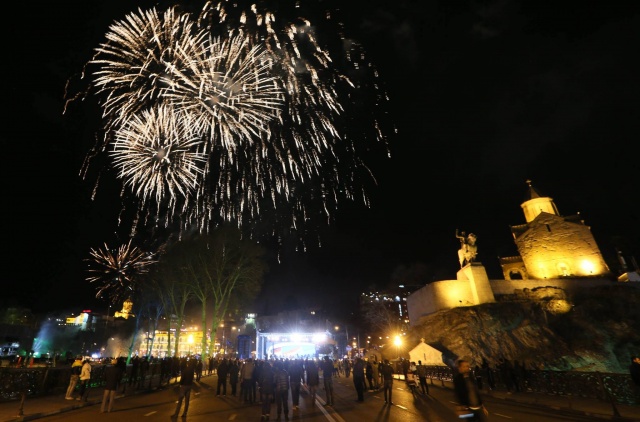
(220, 270)
(172, 284)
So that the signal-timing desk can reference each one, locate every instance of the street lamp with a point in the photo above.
(223, 340)
(190, 341)
(397, 341)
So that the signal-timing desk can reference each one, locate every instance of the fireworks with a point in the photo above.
(157, 155)
(234, 115)
(117, 271)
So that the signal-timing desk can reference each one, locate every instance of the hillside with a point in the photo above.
(595, 330)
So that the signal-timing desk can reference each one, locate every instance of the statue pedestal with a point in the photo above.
(476, 274)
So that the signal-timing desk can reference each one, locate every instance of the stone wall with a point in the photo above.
(448, 294)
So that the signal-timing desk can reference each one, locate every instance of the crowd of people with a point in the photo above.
(274, 383)
(271, 382)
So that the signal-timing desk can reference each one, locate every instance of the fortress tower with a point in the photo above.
(550, 245)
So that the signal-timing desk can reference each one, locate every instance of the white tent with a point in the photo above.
(427, 354)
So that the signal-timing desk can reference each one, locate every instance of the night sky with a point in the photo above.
(484, 95)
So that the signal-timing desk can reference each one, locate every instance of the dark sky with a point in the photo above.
(484, 95)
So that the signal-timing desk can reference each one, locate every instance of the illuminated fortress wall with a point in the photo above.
(471, 288)
(449, 294)
(555, 251)
(553, 247)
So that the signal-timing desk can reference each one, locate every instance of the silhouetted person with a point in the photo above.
(358, 378)
(488, 373)
(405, 367)
(223, 371)
(312, 379)
(187, 374)
(112, 377)
(296, 377)
(467, 391)
(634, 370)
(386, 371)
(267, 388)
(282, 390)
(421, 372)
(234, 373)
(327, 378)
(368, 372)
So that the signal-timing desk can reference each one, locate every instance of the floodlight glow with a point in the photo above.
(296, 337)
(319, 338)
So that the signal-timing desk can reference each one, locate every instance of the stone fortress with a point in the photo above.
(558, 255)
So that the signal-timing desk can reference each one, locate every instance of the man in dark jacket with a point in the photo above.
(267, 382)
(112, 376)
(386, 372)
(358, 378)
(282, 390)
(223, 371)
(634, 370)
(327, 377)
(467, 391)
(186, 383)
(234, 374)
(296, 377)
(421, 371)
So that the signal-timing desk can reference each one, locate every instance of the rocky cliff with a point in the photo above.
(595, 330)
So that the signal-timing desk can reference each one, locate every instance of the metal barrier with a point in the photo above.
(20, 383)
(609, 387)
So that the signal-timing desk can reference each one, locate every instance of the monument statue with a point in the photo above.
(468, 248)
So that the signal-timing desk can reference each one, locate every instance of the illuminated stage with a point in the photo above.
(291, 345)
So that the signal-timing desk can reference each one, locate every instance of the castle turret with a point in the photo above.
(536, 203)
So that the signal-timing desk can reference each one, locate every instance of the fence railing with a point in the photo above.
(18, 383)
(610, 387)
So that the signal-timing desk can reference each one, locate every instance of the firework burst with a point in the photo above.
(157, 154)
(281, 121)
(117, 271)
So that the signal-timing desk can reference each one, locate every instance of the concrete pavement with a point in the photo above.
(41, 407)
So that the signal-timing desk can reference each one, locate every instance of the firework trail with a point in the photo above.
(117, 271)
(236, 115)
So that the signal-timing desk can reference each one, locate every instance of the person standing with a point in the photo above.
(346, 365)
(296, 377)
(405, 365)
(76, 367)
(199, 368)
(267, 388)
(85, 379)
(135, 367)
(376, 373)
(282, 391)
(112, 377)
(246, 377)
(312, 378)
(369, 374)
(187, 374)
(327, 378)
(421, 372)
(358, 378)
(634, 371)
(234, 372)
(223, 370)
(467, 391)
(386, 371)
